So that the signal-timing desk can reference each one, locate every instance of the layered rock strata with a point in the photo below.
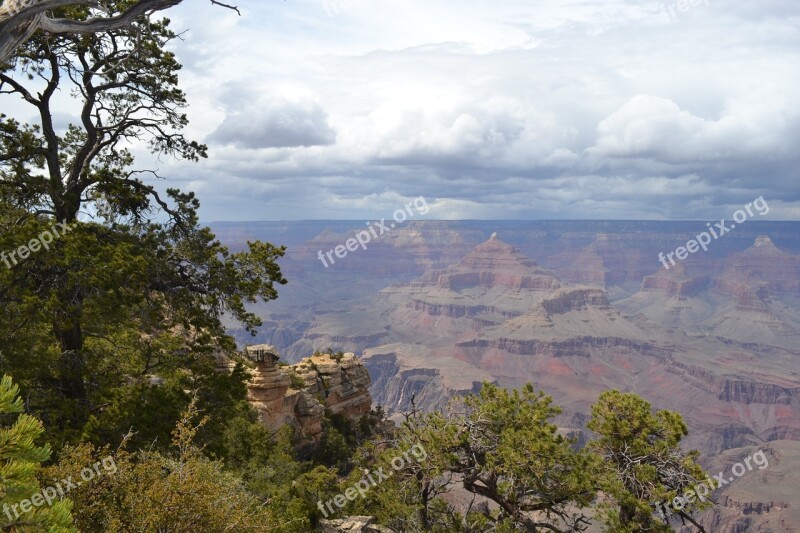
(300, 394)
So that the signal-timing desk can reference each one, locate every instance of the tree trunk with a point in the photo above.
(71, 365)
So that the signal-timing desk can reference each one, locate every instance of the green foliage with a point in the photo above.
(137, 295)
(502, 445)
(643, 463)
(333, 449)
(110, 325)
(20, 460)
(281, 467)
(341, 437)
(409, 500)
(296, 382)
(498, 444)
(508, 450)
(246, 443)
(298, 499)
(153, 491)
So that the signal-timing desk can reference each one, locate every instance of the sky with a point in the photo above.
(551, 109)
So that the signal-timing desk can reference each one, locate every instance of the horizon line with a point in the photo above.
(358, 220)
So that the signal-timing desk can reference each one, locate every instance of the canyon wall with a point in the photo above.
(300, 394)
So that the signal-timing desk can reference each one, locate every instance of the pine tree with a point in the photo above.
(20, 460)
(644, 464)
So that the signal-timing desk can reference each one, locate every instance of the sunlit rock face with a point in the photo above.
(321, 382)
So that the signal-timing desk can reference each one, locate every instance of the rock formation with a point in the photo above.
(353, 524)
(300, 394)
(414, 248)
(675, 282)
(606, 261)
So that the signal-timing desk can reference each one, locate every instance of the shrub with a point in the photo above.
(297, 382)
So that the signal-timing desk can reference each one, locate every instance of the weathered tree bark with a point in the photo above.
(19, 19)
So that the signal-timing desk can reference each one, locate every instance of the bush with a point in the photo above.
(154, 491)
(297, 382)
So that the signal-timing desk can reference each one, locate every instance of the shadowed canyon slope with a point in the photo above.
(436, 308)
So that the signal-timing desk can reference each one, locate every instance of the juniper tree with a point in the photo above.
(141, 289)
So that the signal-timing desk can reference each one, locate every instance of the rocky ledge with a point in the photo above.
(574, 299)
(353, 524)
(300, 394)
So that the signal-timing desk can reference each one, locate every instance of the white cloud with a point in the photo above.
(275, 123)
(562, 108)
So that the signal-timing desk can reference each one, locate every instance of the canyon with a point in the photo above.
(436, 308)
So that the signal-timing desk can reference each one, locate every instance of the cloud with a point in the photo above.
(275, 123)
(648, 127)
(569, 109)
(658, 129)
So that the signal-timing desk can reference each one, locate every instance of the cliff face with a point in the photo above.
(457, 311)
(755, 276)
(749, 296)
(759, 500)
(765, 261)
(465, 280)
(567, 300)
(398, 384)
(742, 390)
(675, 282)
(300, 394)
(492, 264)
(574, 347)
(608, 260)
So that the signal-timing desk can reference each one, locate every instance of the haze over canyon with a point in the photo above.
(435, 308)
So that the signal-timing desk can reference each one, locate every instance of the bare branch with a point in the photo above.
(234, 8)
(19, 19)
